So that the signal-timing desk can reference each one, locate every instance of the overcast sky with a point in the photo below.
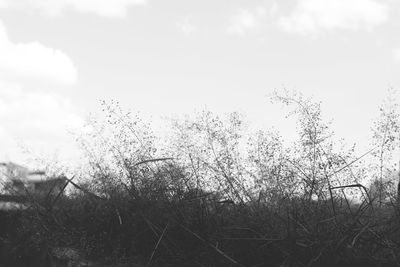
(58, 58)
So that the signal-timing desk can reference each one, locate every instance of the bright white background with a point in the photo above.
(58, 58)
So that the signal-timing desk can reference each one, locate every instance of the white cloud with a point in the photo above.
(245, 20)
(310, 16)
(36, 120)
(107, 8)
(186, 26)
(35, 60)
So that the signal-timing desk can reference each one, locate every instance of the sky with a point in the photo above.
(59, 58)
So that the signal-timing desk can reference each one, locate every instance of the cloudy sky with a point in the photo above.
(58, 58)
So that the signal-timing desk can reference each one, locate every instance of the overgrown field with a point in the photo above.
(212, 194)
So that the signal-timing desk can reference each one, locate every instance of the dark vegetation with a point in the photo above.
(212, 196)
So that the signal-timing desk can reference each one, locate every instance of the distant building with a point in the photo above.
(19, 180)
(11, 170)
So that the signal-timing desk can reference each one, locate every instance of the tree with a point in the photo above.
(115, 145)
(386, 133)
(314, 159)
(273, 178)
(210, 149)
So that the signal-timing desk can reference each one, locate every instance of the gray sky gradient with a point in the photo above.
(59, 57)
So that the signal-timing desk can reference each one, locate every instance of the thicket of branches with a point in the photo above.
(215, 195)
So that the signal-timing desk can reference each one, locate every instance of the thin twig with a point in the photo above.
(152, 160)
(62, 191)
(158, 243)
(223, 254)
